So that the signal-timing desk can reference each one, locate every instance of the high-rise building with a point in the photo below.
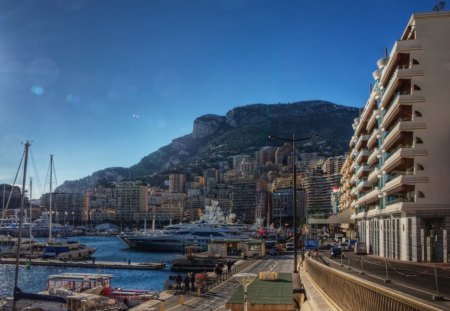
(132, 200)
(398, 177)
(177, 183)
(244, 200)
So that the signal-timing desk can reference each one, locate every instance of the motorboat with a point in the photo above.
(177, 241)
(68, 250)
(28, 248)
(65, 284)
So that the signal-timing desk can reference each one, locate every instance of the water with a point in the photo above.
(108, 249)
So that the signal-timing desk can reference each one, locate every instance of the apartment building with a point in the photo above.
(132, 200)
(397, 173)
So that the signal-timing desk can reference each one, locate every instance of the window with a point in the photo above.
(419, 140)
(417, 113)
(420, 194)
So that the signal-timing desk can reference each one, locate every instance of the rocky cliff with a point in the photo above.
(242, 130)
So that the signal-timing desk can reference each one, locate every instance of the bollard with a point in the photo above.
(362, 267)
(437, 296)
(341, 261)
(182, 299)
(161, 307)
(387, 280)
(198, 291)
(348, 263)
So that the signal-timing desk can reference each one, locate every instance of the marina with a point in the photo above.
(109, 249)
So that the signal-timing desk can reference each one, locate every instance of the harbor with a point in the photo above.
(109, 249)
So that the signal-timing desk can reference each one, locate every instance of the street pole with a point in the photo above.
(294, 190)
(294, 203)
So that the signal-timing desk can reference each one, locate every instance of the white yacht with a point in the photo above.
(175, 238)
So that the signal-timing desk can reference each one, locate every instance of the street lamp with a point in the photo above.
(294, 190)
(245, 279)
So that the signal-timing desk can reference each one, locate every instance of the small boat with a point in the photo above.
(69, 250)
(97, 283)
(31, 301)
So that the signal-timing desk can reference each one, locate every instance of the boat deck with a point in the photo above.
(87, 264)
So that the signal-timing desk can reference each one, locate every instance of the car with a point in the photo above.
(344, 246)
(360, 248)
(289, 246)
(335, 252)
(275, 252)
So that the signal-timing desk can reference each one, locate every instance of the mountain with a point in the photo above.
(243, 130)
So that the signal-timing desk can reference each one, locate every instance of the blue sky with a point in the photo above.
(103, 83)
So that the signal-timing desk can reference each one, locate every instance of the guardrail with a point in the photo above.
(351, 293)
(219, 278)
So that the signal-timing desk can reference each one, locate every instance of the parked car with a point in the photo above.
(335, 252)
(344, 246)
(289, 246)
(360, 248)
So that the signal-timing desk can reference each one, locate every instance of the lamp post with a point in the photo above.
(294, 190)
(245, 279)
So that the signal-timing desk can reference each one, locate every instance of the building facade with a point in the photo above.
(398, 177)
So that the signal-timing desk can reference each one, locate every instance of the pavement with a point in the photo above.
(217, 297)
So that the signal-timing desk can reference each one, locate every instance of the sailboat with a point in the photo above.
(62, 250)
(21, 299)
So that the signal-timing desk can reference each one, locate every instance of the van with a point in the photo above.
(361, 248)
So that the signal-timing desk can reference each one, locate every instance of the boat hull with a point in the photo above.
(153, 245)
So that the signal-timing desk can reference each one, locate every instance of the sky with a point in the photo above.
(103, 83)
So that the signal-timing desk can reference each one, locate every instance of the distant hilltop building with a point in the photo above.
(397, 174)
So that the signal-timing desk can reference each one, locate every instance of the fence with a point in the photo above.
(219, 278)
(351, 293)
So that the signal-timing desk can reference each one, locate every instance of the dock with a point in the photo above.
(87, 264)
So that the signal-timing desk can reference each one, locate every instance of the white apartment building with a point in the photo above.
(397, 174)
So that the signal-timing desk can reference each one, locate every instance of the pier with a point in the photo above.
(87, 264)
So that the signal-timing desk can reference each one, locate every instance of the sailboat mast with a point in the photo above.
(19, 239)
(51, 194)
(31, 195)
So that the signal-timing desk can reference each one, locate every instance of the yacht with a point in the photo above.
(69, 250)
(171, 240)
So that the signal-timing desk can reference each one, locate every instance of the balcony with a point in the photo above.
(353, 179)
(362, 139)
(381, 63)
(364, 153)
(369, 197)
(401, 73)
(395, 183)
(372, 120)
(397, 207)
(401, 46)
(373, 138)
(362, 170)
(377, 74)
(401, 126)
(353, 140)
(363, 184)
(355, 123)
(373, 157)
(373, 176)
(403, 152)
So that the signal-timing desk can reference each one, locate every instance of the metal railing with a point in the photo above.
(219, 278)
(351, 293)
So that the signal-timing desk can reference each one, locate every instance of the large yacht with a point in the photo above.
(170, 240)
(213, 225)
